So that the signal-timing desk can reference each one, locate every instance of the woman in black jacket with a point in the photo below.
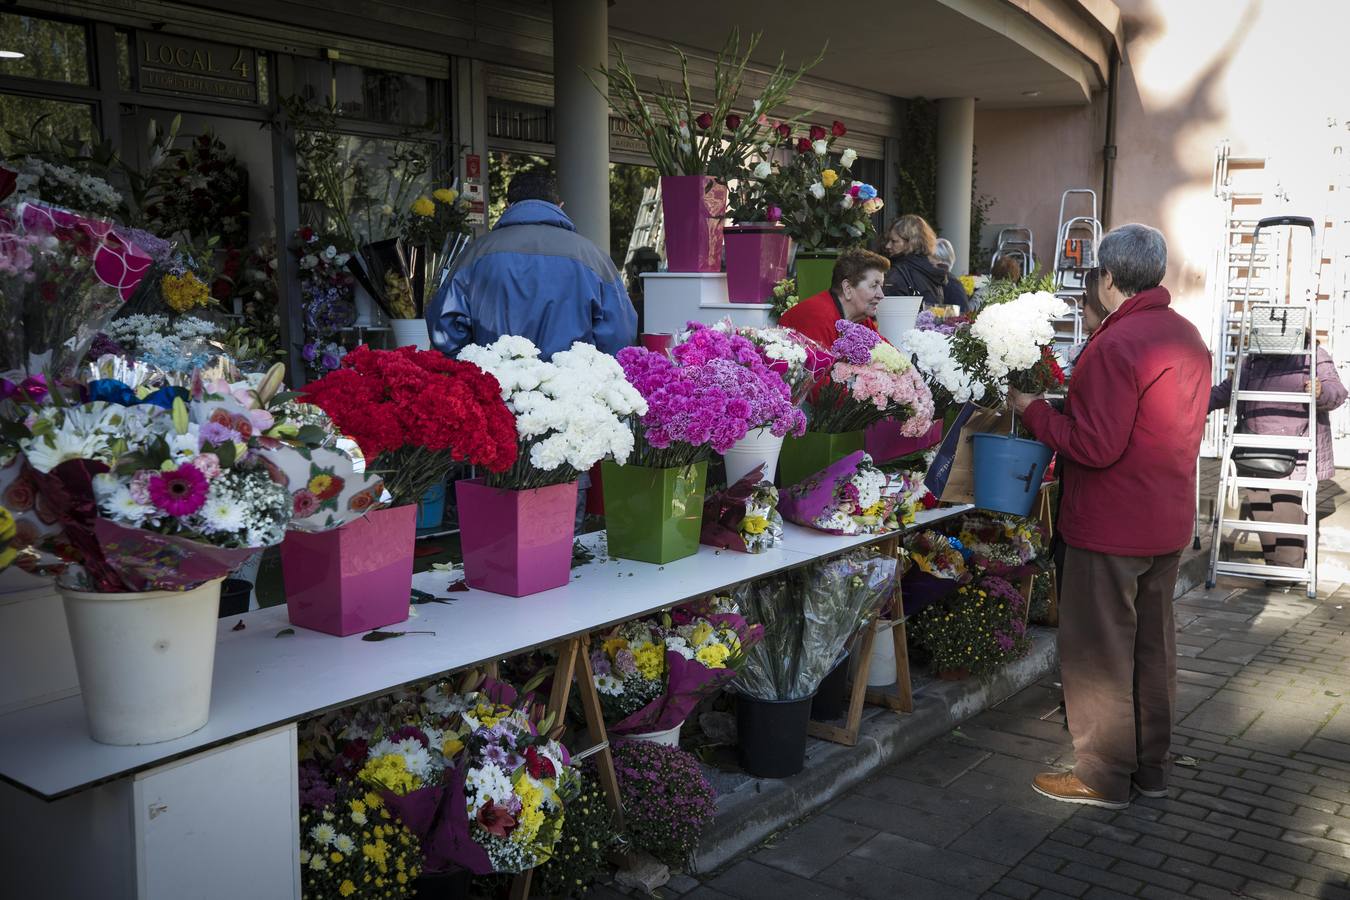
(910, 244)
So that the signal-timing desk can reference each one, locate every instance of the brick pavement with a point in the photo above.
(1261, 808)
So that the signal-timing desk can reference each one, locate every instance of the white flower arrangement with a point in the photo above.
(933, 357)
(180, 345)
(1014, 332)
(571, 412)
(42, 181)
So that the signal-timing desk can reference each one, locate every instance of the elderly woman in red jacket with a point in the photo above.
(1128, 437)
(854, 294)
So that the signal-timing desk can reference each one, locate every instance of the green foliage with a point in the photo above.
(587, 833)
(916, 164)
(1002, 291)
(626, 184)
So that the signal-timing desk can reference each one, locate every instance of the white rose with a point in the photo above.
(847, 202)
(848, 158)
(820, 147)
(818, 190)
(763, 170)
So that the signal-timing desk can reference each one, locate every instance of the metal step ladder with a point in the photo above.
(1077, 237)
(648, 227)
(1269, 327)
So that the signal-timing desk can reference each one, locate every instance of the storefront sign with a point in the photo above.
(473, 167)
(473, 191)
(175, 65)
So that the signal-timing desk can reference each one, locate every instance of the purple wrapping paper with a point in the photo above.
(723, 512)
(147, 561)
(687, 682)
(806, 501)
(438, 817)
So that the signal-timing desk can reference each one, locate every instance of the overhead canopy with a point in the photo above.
(1006, 53)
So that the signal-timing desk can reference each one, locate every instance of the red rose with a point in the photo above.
(784, 130)
(304, 504)
(19, 496)
(704, 121)
(817, 132)
(733, 121)
(803, 145)
(307, 234)
(538, 765)
(7, 181)
(838, 129)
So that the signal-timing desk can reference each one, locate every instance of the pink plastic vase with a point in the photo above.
(694, 207)
(757, 258)
(884, 442)
(516, 542)
(354, 578)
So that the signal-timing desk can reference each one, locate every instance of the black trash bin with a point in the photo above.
(772, 735)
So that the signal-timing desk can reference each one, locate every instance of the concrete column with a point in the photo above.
(581, 115)
(955, 157)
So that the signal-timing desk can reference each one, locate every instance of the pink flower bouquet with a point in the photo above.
(870, 381)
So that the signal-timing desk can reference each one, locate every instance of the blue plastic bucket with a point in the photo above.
(431, 508)
(1008, 472)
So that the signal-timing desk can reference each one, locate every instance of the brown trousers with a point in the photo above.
(1118, 658)
(1268, 506)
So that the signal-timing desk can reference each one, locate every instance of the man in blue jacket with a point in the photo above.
(535, 277)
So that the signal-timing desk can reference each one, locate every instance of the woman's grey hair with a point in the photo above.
(1136, 257)
(944, 252)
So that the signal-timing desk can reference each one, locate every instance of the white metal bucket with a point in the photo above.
(896, 315)
(668, 738)
(411, 331)
(758, 446)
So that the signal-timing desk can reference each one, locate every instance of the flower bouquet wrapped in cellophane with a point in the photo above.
(808, 617)
(850, 496)
(62, 277)
(651, 673)
(743, 517)
(474, 774)
(1010, 547)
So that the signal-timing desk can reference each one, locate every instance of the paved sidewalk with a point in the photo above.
(1260, 809)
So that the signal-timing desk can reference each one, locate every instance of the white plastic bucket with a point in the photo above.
(368, 312)
(411, 331)
(881, 673)
(668, 738)
(758, 446)
(896, 315)
(145, 661)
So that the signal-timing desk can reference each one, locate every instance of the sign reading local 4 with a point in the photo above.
(177, 65)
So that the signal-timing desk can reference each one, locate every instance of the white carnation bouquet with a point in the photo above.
(570, 413)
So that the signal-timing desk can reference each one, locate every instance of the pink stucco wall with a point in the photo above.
(1270, 77)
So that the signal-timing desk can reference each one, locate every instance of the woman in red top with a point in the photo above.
(855, 291)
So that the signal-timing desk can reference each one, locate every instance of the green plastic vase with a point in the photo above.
(814, 271)
(653, 515)
(804, 456)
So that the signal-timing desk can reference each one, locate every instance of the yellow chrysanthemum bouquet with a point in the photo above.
(651, 673)
(354, 847)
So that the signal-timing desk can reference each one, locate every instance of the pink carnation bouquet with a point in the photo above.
(870, 381)
(709, 393)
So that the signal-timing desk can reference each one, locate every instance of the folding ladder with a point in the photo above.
(1015, 242)
(648, 226)
(1077, 237)
(1269, 327)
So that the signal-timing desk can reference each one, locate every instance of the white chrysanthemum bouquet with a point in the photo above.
(571, 413)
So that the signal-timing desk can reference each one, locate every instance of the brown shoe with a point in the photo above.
(1152, 793)
(1066, 788)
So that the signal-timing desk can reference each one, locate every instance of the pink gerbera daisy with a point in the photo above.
(180, 491)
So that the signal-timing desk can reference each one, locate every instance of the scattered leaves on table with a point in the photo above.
(285, 632)
(581, 554)
(239, 626)
(420, 597)
(457, 586)
(378, 635)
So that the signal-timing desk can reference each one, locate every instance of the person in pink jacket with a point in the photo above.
(1127, 440)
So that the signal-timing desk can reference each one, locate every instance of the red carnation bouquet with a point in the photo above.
(1045, 375)
(415, 413)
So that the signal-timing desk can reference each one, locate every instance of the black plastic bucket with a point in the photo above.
(832, 695)
(234, 594)
(772, 735)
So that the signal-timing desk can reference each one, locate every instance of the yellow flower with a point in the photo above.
(335, 856)
(446, 195)
(451, 746)
(702, 631)
(649, 661)
(373, 800)
(714, 656)
(346, 889)
(184, 292)
(829, 177)
(389, 772)
(613, 645)
(754, 524)
(423, 206)
(7, 532)
(320, 483)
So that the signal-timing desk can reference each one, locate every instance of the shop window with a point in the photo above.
(519, 121)
(57, 117)
(123, 41)
(52, 50)
(370, 94)
(378, 179)
(264, 80)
